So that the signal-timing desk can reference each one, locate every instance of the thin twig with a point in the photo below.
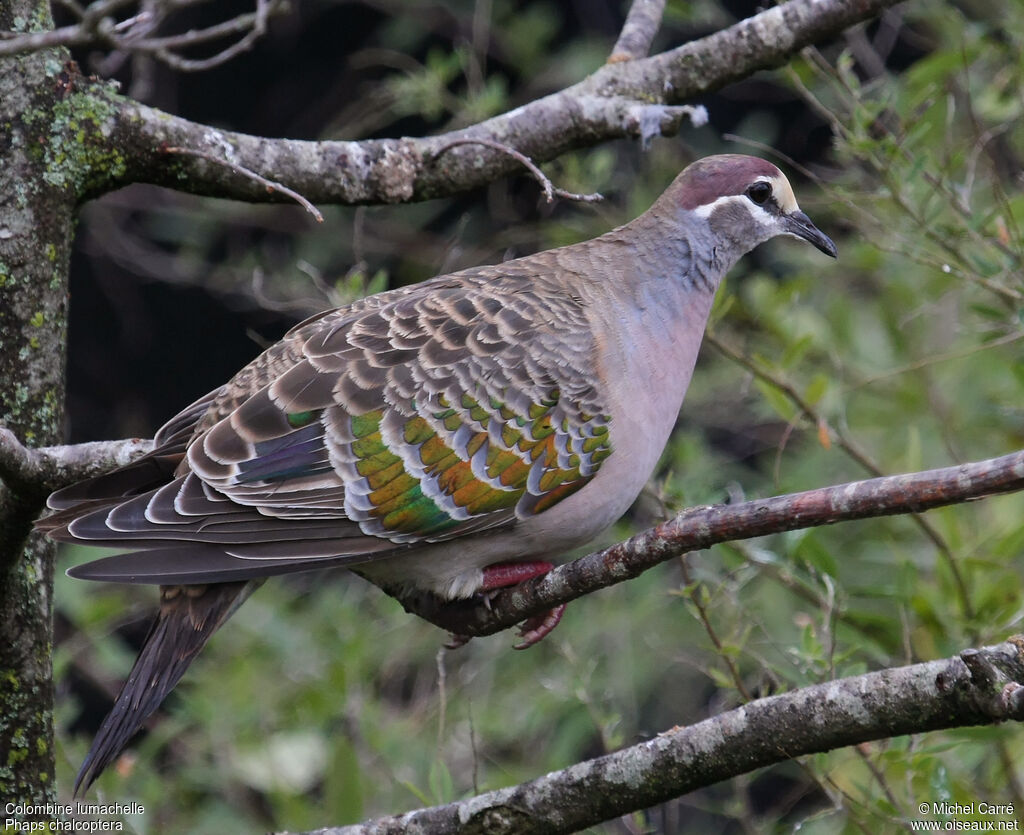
(259, 28)
(934, 359)
(864, 752)
(97, 26)
(237, 25)
(270, 185)
(550, 191)
(702, 614)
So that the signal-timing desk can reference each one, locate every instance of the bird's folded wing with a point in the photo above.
(457, 406)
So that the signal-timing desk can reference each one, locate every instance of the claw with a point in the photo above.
(537, 628)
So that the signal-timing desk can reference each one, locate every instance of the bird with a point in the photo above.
(454, 436)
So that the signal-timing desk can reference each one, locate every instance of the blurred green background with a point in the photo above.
(322, 702)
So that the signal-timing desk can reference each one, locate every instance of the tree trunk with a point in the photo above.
(37, 204)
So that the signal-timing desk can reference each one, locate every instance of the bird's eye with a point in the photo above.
(760, 192)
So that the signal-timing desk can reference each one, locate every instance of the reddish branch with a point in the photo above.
(701, 527)
(37, 471)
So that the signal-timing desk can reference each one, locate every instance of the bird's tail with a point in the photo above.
(188, 616)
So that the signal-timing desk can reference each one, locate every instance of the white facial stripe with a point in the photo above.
(706, 210)
(756, 212)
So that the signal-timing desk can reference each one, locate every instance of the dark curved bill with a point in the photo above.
(800, 225)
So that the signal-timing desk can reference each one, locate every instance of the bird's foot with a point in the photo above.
(502, 575)
(539, 627)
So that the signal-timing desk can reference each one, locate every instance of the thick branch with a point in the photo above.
(701, 527)
(978, 687)
(632, 98)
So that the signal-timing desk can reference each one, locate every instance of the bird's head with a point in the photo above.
(743, 201)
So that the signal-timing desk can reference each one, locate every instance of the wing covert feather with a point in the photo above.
(419, 415)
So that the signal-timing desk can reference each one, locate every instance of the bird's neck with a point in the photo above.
(665, 278)
(652, 300)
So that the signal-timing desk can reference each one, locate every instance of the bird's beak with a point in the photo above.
(799, 225)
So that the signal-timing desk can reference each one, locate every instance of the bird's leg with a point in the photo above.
(501, 575)
(504, 574)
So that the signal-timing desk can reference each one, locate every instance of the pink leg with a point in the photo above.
(504, 574)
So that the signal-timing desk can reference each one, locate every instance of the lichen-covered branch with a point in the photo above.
(40, 471)
(642, 23)
(978, 687)
(701, 527)
(636, 98)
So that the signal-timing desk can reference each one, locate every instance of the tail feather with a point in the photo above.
(188, 616)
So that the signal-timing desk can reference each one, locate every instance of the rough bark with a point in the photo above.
(978, 687)
(36, 224)
(640, 98)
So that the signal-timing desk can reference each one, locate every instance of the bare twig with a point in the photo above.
(550, 191)
(696, 597)
(258, 24)
(977, 687)
(936, 359)
(270, 185)
(97, 26)
(236, 26)
(639, 30)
